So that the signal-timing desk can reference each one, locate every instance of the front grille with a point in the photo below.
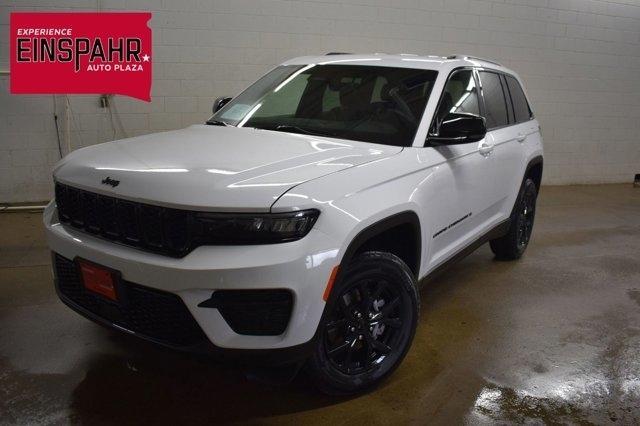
(253, 312)
(152, 228)
(151, 313)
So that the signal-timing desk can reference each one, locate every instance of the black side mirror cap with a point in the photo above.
(459, 128)
(220, 102)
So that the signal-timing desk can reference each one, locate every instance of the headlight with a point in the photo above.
(268, 228)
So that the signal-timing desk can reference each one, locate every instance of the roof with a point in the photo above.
(403, 60)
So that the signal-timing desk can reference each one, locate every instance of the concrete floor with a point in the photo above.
(552, 338)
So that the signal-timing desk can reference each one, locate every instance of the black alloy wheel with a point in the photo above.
(526, 215)
(368, 325)
(364, 327)
(513, 244)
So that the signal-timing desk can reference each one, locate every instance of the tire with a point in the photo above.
(368, 326)
(513, 244)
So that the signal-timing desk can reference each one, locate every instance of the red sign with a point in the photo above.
(64, 53)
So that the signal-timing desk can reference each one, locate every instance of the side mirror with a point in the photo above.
(459, 128)
(220, 102)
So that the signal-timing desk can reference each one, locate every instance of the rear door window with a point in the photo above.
(494, 100)
(520, 105)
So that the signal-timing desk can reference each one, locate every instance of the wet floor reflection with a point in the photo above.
(495, 403)
(148, 385)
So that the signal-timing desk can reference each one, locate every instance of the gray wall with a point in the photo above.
(579, 60)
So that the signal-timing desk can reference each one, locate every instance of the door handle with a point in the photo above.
(521, 137)
(485, 149)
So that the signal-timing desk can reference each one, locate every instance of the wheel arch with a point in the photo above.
(534, 170)
(376, 236)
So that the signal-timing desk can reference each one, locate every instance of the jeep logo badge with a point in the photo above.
(111, 182)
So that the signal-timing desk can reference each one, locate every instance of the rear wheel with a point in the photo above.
(512, 245)
(368, 327)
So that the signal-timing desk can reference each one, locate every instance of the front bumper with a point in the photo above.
(301, 267)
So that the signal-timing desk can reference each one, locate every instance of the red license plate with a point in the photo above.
(98, 279)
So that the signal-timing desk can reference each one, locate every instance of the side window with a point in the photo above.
(460, 95)
(508, 99)
(494, 100)
(520, 105)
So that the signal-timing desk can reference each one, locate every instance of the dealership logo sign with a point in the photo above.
(64, 53)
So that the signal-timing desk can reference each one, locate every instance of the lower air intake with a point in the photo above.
(253, 312)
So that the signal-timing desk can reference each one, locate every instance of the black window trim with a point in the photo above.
(507, 91)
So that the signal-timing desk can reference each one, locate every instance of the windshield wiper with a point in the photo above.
(296, 129)
(217, 123)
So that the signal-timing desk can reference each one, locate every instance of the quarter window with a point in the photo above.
(520, 105)
(494, 100)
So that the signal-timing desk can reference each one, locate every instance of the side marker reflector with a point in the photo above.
(332, 279)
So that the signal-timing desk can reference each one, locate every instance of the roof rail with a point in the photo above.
(337, 53)
(473, 58)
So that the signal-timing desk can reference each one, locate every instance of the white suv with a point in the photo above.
(296, 224)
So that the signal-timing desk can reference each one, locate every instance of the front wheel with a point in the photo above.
(512, 245)
(368, 326)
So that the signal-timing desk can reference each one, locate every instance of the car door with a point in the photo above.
(458, 206)
(503, 135)
(526, 131)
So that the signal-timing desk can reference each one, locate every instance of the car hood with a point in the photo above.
(211, 167)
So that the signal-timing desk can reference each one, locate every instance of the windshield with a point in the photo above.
(366, 103)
